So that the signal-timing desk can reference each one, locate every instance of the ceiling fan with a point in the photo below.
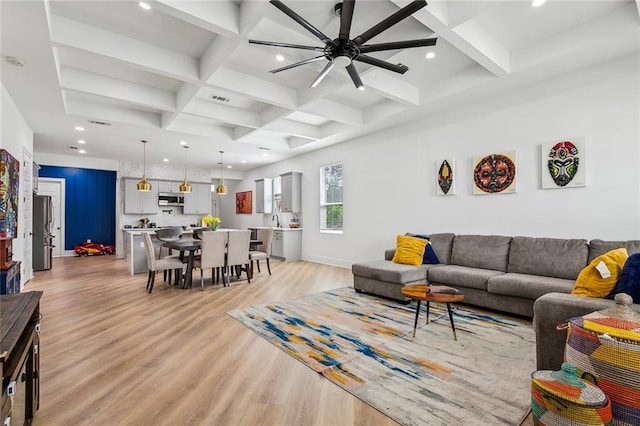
(342, 51)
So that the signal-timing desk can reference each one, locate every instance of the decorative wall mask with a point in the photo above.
(445, 183)
(495, 173)
(563, 164)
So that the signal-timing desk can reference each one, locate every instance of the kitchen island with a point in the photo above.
(134, 247)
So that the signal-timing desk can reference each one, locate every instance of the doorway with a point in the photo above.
(55, 189)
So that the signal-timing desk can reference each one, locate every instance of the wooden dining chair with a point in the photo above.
(238, 253)
(212, 254)
(155, 264)
(262, 251)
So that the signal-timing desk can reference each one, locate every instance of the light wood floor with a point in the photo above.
(112, 354)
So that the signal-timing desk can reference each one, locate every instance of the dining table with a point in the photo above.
(192, 245)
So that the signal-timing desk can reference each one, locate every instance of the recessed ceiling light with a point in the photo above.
(537, 3)
(183, 143)
(145, 6)
(79, 128)
(166, 160)
(82, 151)
(229, 166)
(264, 154)
(279, 58)
(430, 55)
(81, 141)
(243, 161)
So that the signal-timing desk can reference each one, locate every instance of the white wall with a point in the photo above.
(389, 177)
(15, 136)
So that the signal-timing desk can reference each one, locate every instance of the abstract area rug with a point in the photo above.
(364, 344)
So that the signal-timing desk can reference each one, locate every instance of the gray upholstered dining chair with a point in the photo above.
(262, 251)
(173, 233)
(155, 264)
(212, 254)
(238, 253)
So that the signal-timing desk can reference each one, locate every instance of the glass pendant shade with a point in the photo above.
(144, 185)
(221, 189)
(185, 187)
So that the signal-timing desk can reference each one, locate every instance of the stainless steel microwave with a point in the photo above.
(170, 199)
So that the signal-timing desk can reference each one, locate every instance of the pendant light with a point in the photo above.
(144, 184)
(221, 189)
(185, 187)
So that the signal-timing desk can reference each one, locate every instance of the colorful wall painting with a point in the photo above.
(9, 194)
(495, 173)
(243, 202)
(563, 164)
(445, 182)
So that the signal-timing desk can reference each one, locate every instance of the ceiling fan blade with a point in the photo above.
(355, 77)
(293, 46)
(300, 20)
(368, 48)
(399, 68)
(346, 16)
(322, 74)
(297, 64)
(390, 21)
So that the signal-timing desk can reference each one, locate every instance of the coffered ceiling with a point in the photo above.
(184, 70)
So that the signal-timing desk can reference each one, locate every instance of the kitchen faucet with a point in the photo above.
(275, 216)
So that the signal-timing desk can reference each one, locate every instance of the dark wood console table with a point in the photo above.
(20, 356)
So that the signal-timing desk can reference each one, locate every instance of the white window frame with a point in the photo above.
(324, 204)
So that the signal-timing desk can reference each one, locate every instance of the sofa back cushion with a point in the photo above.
(481, 251)
(548, 257)
(600, 247)
(442, 244)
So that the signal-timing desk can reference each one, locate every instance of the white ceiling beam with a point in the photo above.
(240, 132)
(192, 125)
(220, 16)
(638, 6)
(86, 82)
(273, 113)
(383, 110)
(334, 111)
(254, 87)
(332, 128)
(222, 113)
(69, 33)
(294, 128)
(296, 142)
(488, 53)
(391, 87)
(111, 113)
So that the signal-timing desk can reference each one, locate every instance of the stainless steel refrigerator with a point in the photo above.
(42, 235)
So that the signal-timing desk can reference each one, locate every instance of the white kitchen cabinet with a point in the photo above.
(140, 202)
(169, 186)
(264, 196)
(198, 201)
(287, 244)
(291, 197)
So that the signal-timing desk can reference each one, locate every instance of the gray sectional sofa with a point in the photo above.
(526, 276)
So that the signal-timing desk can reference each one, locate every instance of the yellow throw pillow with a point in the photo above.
(409, 250)
(590, 282)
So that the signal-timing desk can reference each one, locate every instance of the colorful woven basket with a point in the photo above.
(606, 345)
(561, 398)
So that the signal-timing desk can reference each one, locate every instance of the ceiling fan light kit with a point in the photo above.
(342, 51)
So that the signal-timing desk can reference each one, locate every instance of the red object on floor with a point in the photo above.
(92, 249)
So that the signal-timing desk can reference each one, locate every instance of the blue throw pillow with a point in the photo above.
(429, 256)
(629, 280)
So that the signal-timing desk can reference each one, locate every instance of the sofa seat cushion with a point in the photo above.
(528, 286)
(384, 270)
(481, 251)
(461, 276)
(548, 257)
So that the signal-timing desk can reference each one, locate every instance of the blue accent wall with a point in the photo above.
(90, 204)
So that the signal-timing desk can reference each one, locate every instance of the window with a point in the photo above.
(331, 197)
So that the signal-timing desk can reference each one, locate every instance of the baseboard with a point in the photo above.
(340, 263)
